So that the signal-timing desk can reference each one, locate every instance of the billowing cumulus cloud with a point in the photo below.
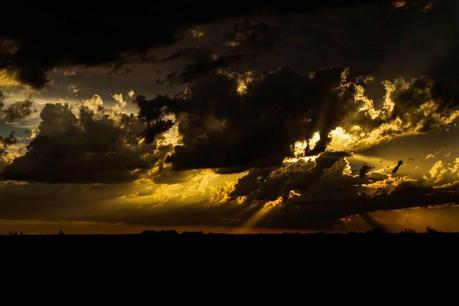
(406, 108)
(245, 120)
(288, 180)
(5, 142)
(90, 148)
(444, 172)
(224, 126)
(14, 111)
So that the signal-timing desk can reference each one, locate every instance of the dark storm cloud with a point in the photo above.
(16, 111)
(326, 213)
(258, 36)
(429, 23)
(76, 150)
(201, 62)
(234, 47)
(371, 35)
(323, 189)
(5, 142)
(52, 35)
(43, 201)
(9, 140)
(235, 121)
(371, 39)
(270, 184)
(420, 91)
(224, 128)
(374, 38)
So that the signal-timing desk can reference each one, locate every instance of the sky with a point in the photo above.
(234, 117)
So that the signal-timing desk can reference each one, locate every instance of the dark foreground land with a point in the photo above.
(200, 237)
(170, 252)
(195, 242)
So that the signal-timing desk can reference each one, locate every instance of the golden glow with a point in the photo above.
(299, 149)
(340, 140)
(438, 171)
(7, 79)
(255, 219)
(456, 166)
(443, 172)
(314, 141)
(347, 170)
(31, 227)
(447, 119)
(386, 186)
(368, 104)
(170, 138)
(441, 218)
(243, 82)
(120, 102)
(94, 104)
(241, 88)
(195, 186)
(241, 200)
(381, 164)
(293, 194)
(361, 137)
(294, 160)
(259, 215)
(272, 204)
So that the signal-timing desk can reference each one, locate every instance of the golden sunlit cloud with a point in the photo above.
(261, 213)
(243, 82)
(196, 186)
(443, 172)
(120, 102)
(170, 138)
(7, 79)
(340, 140)
(94, 104)
(389, 121)
(300, 149)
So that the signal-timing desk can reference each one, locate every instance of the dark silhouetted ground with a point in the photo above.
(166, 240)
(241, 256)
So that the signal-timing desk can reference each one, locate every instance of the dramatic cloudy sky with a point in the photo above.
(237, 116)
